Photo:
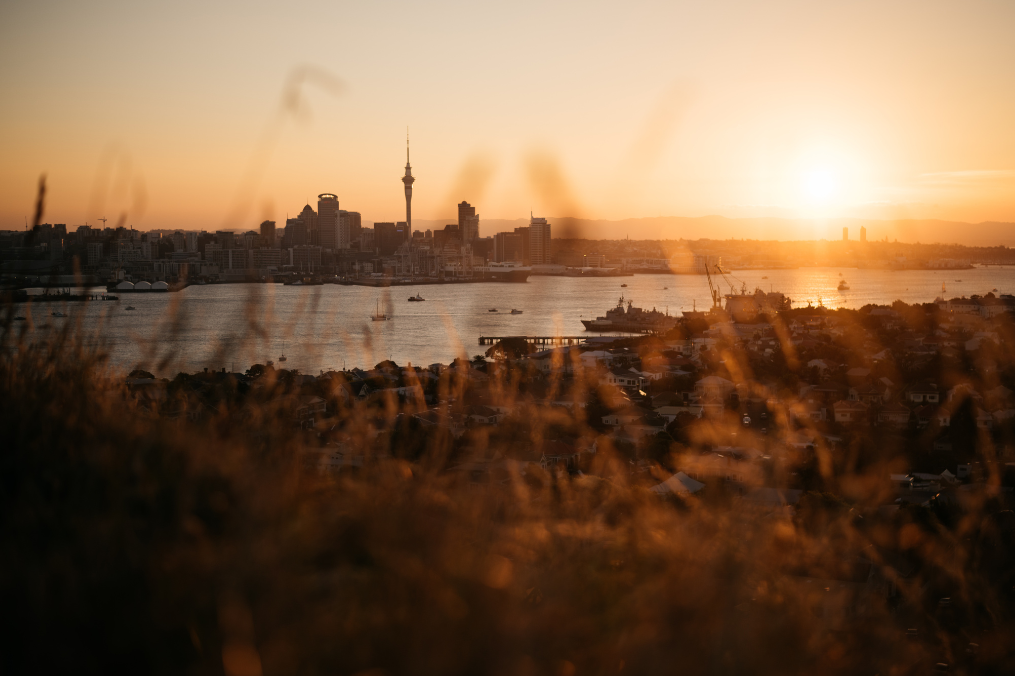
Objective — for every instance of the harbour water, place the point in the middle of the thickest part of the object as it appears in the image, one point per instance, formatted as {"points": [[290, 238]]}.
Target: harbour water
{"points": [[329, 327]]}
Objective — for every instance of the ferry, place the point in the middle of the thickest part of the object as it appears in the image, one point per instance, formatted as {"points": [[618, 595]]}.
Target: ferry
{"points": [[631, 319], [843, 286], [416, 299], [503, 272]]}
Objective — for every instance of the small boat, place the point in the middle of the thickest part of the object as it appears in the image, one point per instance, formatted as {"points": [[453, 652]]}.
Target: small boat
{"points": [[493, 309], [623, 286], [282, 356], [130, 307], [19, 319], [416, 299], [516, 312], [765, 277], [994, 290], [269, 363], [843, 286], [59, 314], [666, 288], [958, 280], [378, 317]]}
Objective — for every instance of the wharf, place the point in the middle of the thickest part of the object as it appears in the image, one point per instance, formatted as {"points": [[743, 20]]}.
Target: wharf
{"points": [[536, 340]]}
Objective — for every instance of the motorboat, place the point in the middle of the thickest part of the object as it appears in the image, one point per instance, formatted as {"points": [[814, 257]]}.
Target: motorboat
{"points": [[623, 286], [130, 307], [516, 312], [493, 309], [59, 314], [19, 319], [416, 299], [765, 277]]}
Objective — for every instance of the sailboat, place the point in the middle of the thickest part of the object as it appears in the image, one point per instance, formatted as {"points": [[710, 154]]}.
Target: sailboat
{"points": [[281, 357], [378, 317]]}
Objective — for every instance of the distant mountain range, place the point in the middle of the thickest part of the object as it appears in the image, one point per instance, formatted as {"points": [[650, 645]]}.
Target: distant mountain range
{"points": [[925, 231]]}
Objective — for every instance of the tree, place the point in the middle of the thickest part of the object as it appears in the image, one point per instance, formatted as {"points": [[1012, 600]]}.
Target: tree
{"points": [[514, 347], [138, 373]]}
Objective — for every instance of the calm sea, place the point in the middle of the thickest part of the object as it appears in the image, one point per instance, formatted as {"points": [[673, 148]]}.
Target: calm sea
{"points": [[330, 327]]}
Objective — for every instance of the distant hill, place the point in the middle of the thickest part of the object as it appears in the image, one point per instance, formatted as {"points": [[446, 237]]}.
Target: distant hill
{"points": [[785, 229]]}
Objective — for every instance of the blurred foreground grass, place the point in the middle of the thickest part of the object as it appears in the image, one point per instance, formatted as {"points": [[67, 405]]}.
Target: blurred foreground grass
{"points": [[136, 542]]}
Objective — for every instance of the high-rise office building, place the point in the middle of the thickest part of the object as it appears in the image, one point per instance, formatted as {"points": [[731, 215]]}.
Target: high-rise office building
{"points": [[385, 238], [355, 225], [225, 238], [539, 241], [863, 234], [507, 247], [268, 233], [468, 222], [327, 221], [524, 233], [408, 180], [309, 218]]}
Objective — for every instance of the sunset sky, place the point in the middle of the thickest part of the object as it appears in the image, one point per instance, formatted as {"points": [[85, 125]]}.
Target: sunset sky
{"points": [[174, 113]]}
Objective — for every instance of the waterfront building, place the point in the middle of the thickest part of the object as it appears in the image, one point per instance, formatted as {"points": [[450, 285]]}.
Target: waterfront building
{"points": [[306, 258], [539, 241], [265, 258], [508, 246]]}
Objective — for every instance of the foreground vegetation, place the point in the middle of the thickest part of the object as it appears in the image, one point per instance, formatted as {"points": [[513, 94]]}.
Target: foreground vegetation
{"points": [[153, 543]]}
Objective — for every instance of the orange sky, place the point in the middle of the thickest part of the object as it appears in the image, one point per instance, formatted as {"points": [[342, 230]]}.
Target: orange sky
{"points": [[173, 113]]}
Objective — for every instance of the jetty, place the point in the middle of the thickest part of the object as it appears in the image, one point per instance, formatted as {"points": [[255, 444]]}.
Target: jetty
{"points": [[536, 340]]}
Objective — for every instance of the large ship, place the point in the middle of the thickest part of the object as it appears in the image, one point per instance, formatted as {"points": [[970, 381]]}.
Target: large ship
{"points": [[502, 272], [631, 319]]}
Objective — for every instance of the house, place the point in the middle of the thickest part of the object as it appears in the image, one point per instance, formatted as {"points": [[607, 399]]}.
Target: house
{"points": [[850, 412], [714, 388], [623, 378], [678, 484], [923, 393], [894, 414], [627, 416]]}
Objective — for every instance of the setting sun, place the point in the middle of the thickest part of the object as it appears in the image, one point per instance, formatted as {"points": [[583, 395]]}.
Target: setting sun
{"points": [[820, 185]]}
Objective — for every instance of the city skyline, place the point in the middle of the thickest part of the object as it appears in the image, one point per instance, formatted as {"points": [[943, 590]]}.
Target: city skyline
{"points": [[779, 113]]}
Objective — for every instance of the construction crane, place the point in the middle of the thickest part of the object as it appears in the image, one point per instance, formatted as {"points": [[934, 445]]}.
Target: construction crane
{"points": [[103, 219], [713, 291]]}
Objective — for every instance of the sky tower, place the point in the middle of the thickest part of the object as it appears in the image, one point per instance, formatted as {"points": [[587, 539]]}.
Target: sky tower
{"points": [[408, 180]]}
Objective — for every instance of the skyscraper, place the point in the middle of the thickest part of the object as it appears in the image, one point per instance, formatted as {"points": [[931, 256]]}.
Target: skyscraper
{"points": [[309, 218], [539, 241], [268, 233], [408, 181], [327, 221], [468, 222], [863, 235]]}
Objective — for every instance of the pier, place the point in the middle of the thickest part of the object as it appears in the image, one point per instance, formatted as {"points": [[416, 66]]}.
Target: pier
{"points": [[536, 340]]}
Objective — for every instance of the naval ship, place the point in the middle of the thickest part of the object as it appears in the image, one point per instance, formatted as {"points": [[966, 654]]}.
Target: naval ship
{"points": [[631, 319]]}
